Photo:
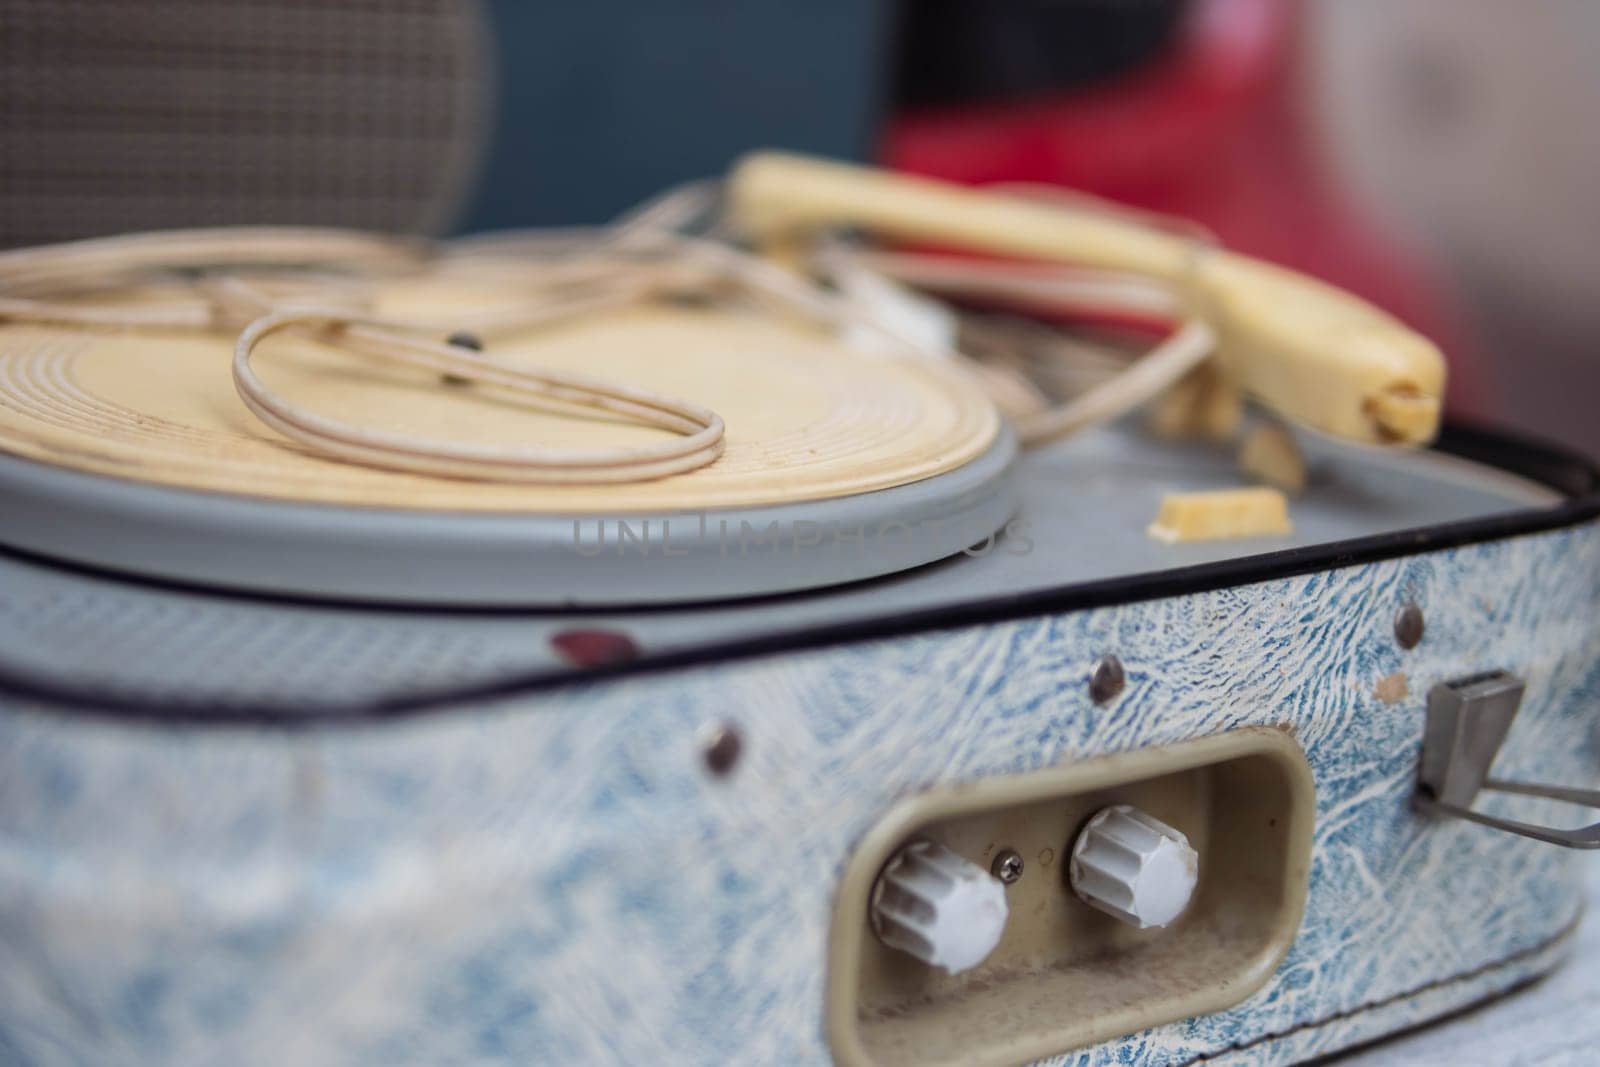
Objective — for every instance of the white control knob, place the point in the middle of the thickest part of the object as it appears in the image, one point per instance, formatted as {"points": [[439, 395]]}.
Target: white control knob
{"points": [[1133, 866], [936, 906]]}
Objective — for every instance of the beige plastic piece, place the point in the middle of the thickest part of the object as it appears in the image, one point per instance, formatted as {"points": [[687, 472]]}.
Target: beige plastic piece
{"points": [[808, 418], [1221, 514], [1312, 352], [1066, 975], [1204, 405], [1271, 454]]}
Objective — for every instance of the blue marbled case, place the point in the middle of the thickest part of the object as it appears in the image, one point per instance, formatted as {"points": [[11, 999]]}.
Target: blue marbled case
{"points": [[555, 877]]}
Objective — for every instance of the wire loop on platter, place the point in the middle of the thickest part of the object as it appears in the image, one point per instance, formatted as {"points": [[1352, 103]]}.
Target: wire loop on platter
{"points": [[701, 431]]}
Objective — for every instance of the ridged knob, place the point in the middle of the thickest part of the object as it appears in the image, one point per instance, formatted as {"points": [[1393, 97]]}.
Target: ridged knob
{"points": [[1134, 866], [937, 907]]}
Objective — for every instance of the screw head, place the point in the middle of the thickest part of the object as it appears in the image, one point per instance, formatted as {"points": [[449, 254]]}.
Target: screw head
{"points": [[1408, 626], [721, 748], [1106, 680], [1007, 866]]}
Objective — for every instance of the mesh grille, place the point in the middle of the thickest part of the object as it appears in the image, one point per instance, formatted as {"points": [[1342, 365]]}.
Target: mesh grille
{"points": [[120, 115], [119, 641]]}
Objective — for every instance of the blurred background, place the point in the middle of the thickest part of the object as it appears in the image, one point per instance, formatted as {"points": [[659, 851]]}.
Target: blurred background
{"points": [[1435, 156]]}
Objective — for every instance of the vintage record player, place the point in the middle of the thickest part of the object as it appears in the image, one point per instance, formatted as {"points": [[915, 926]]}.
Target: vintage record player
{"points": [[667, 645]]}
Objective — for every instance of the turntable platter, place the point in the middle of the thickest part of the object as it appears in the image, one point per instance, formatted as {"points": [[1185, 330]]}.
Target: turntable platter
{"points": [[132, 451]]}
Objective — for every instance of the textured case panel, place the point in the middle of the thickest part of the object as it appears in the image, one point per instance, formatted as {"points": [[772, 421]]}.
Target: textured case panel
{"points": [[130, 115], [556, 879]]}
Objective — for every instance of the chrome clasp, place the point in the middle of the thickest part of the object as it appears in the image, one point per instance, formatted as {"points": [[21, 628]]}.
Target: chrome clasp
{"points": [[1468, 720]]}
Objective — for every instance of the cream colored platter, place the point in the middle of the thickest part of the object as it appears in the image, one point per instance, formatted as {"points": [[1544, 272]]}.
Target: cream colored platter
{"points": [[131, 451]]}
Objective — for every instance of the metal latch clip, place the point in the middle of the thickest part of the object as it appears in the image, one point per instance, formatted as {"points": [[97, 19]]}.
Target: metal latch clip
{"points": [[1468, 720]]}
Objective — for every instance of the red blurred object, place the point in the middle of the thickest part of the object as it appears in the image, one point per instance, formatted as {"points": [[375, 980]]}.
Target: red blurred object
{"points": [[594, 648], [1210, 132]]}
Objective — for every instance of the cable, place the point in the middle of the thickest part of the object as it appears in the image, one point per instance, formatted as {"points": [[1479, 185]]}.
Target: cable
{"points": [[702, 430], [262, 281]]}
